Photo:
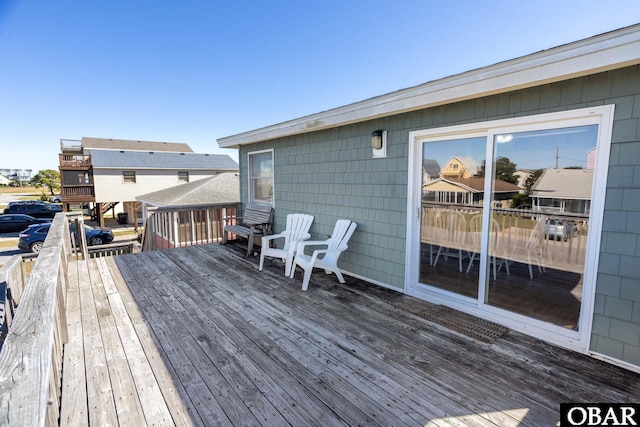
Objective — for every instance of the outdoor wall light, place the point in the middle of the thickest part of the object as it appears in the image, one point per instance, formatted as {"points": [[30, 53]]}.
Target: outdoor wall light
{"points": [[379, 143], [377, 139]]}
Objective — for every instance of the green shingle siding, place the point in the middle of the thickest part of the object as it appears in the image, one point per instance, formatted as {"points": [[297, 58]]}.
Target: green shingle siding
{"points": [[331, 174]]}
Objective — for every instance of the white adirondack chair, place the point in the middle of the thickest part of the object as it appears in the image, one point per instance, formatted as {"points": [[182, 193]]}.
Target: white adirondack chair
{"points": [[324, 258], [297, 229]]}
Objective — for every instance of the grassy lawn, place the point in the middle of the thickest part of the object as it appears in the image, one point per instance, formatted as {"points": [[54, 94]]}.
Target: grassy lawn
{"points": [[9, 243], [32, 193], [26, 190]]}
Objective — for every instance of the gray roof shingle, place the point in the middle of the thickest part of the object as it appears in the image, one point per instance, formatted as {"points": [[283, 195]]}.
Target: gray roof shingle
{"points": [[574, 184], [122, 159], [223, 188]]}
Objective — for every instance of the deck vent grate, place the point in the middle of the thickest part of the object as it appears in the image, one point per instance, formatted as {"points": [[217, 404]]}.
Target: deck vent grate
{"points": [[463, 323]]}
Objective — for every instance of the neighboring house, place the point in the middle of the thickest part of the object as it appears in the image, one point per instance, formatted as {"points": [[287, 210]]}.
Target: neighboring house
{"points": [[4, 180], [563, 190], [197, 209], [459, 167], [467, 191], [23, 176], [104, 173], [430, 170], [586, 92]]}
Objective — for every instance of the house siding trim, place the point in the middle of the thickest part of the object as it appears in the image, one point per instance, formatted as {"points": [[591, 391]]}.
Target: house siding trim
{"points": [[597, 54]]}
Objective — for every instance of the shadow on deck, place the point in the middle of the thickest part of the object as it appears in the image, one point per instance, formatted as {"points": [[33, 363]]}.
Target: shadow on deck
{"points": [[198, 336]]}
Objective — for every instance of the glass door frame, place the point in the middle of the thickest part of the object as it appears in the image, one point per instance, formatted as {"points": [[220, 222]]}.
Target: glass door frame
{"points": [[576, 340]]}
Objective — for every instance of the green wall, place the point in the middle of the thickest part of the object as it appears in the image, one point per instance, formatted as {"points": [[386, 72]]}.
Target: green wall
{"points": [[331, 174]]}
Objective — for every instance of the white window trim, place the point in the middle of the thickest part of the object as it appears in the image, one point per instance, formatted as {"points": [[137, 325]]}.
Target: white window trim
{"points": [[250, 191], [575, 340]]}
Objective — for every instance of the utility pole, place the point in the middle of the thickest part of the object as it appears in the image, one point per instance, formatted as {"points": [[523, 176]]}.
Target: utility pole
{"points": [[556, 156]]}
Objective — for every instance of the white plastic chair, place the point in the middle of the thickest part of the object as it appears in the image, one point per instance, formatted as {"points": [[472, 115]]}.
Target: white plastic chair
{"points": [[324, 258], [297, 229]]}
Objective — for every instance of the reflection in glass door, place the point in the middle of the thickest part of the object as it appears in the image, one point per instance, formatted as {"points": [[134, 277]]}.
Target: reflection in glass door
{"points": [[538, 237], [451, 213]]}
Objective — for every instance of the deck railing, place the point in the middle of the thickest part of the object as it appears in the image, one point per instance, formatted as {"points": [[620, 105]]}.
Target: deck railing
{"points": [[75, 160], [35, 323], [77, 191], [177, 226], [31, 357]]}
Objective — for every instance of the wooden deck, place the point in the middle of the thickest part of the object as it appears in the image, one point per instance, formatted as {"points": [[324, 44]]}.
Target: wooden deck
{"points": [[198, 336]]}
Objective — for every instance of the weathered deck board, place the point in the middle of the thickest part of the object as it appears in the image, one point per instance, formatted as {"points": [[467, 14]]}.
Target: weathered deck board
{"points": [[125, 394], [107, 379], [210, 340], [362, 339], [74, 411], [156, 412], [160, 377], [101, 404]]}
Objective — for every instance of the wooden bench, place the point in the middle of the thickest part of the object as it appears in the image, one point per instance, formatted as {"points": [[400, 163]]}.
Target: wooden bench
{"points": [[257, 220]]}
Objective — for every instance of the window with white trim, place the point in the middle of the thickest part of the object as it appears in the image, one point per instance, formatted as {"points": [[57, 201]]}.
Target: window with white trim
{"points": [[261, 177], [183, 176]]}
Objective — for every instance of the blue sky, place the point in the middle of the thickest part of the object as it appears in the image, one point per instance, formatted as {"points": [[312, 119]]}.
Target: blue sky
{"points": [[194, 71], [539, 149]]}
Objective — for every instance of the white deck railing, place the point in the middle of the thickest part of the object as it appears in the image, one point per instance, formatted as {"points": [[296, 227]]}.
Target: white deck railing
{"points": [[177, 226]]}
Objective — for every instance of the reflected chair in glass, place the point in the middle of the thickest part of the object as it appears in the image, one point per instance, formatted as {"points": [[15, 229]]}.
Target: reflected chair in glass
{"points": [[452, 236], [495, 244]]}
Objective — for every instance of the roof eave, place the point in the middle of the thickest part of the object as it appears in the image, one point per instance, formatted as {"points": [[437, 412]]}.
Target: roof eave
{"points": [[171, 168], [600, 53]]}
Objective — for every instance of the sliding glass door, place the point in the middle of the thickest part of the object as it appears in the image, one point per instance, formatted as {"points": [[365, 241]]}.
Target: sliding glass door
{"points": [[449, 231], [538, 236], [505, 218]]}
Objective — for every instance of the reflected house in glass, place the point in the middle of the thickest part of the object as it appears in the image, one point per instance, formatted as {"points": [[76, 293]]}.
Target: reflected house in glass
{"points": [[563, 190], [430, 170], [466, 191], [460, 167]]}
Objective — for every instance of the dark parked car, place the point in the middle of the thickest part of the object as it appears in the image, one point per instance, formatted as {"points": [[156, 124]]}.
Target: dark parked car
{"points": [[32, 239], [18, 222], [34, 208]]}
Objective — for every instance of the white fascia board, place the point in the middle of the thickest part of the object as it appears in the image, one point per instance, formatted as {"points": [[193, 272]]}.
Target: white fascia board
{"points": [[608, 51], [168, 169]]}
